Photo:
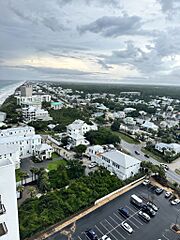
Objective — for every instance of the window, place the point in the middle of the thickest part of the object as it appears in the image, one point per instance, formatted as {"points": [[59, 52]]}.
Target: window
{"points": [[3, 229]]}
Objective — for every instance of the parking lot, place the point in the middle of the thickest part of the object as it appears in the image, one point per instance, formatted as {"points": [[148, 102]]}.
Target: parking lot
{"points": [[107, 221]]}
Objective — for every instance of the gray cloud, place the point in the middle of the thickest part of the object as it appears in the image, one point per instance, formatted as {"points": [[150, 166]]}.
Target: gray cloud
{"points": [[113, 3], [110, 26]]}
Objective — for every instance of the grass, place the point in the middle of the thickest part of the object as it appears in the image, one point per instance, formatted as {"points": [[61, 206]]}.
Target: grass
{"points": [[54, 165], [126, 138], [18, 174], [55, 155], [156, 157], [177, 171]]}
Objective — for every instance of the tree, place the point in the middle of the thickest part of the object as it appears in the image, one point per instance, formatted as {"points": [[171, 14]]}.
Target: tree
{"points": [[80, 149], [115, 126], [20, 189], [32, 191], [43, 181]]}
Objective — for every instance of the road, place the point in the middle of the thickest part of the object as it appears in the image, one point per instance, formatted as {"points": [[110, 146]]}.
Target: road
{"points": [[131, 148]]}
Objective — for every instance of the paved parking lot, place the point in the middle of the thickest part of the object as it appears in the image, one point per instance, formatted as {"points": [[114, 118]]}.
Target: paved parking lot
{"points": [[106, 220]]}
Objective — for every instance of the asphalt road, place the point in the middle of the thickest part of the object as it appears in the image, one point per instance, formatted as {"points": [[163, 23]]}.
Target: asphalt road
{"points": [[106, 220], [131, 148]]}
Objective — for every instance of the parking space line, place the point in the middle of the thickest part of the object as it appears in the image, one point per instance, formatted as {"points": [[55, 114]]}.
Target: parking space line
{"points": [[109, 231], [79, 238], [118, 217], [114, 228], [131, 209], [134, 217], [118, 224], [165, 237], [99, 230]]}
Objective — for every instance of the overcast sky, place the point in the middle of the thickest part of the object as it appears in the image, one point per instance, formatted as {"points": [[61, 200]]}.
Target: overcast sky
{"points": [[129, 41]]}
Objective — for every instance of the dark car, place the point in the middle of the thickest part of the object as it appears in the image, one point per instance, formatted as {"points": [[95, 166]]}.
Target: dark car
{"points": [[124, 212], [147, 156], [148, 210], [158, 191], [136, 152], [91, 234]]}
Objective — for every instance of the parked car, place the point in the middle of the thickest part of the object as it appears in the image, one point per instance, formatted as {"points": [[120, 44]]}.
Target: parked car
{"points": [[153, 206], [146, 182], [167, 194], [144, 216], [175, 201], [146, 155], [105, 237], [127, 227], [145, 208], [158, 191], [136, 152], [124, 212], [91, 234], [92, 165]]}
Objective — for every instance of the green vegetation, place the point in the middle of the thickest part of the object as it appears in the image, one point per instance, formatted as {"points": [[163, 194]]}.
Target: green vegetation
{"points": [[73, 192], [102, 136], [20, 175], [55, 164], [80, 149], [177, 171], [151, 154], [66, 116], [55, 155], [128, 138], [9, 107]]}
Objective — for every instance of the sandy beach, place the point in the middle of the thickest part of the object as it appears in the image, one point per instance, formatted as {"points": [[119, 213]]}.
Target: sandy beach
{"points": [[8, 90]]}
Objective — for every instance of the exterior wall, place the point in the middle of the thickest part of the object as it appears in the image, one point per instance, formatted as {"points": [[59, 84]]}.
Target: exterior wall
{"points": [[34, 98], [8, 197], [19, 131], [14, 157], [26, 91], [2, 116], [121, 172]]}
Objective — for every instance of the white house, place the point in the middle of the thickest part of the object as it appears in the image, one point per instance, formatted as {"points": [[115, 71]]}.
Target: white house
{"points": [[93, 150], [9, 226], [76, 132], [24, 138], [121, 164], [161, 147], [129, 121], [34, 99], [44, 151], [150, 125], [32, 114], [11, 153]]}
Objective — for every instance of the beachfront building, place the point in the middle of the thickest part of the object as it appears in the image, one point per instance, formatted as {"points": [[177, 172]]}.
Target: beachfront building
{"points": [[57, 105], [32, 114], [121, 164], [168, 147], [9, 226], [2, 116], [26, 90], [76, 132], [33, 100], [26, 141]]}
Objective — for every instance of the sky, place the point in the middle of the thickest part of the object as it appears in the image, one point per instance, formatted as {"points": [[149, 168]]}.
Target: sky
{"points": [[106, 41]]}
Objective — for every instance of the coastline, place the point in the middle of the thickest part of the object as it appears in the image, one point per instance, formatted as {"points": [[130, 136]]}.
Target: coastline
{"points": [[6, 91]]}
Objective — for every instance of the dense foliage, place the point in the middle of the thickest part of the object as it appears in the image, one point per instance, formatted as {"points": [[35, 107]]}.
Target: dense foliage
{"points": [[102, 136], [37, 214], [9, 107]]}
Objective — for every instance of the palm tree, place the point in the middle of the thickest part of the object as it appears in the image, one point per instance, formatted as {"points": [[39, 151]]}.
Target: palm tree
{"points": [[34, 172], [20, 189], [32, 191]]}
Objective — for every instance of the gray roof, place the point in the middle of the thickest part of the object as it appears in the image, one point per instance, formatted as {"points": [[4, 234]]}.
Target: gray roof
{"points": [[120, 158]]}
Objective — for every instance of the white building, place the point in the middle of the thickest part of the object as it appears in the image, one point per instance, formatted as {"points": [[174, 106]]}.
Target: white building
{"points": [[9, 226], [2, 116], [150, 125], [32, 114], [161, 147], [129, 121], [76, 132], [26, 90], [11, 153], [121, 164], [33, 100], [93, 150], [24, 138]]}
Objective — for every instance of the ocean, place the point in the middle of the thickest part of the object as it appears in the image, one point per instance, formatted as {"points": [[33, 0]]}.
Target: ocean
{"points": [[7, 88]]}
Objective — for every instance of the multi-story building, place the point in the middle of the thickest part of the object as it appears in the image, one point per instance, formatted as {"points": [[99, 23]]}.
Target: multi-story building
{"points": [[11, 153], [32, 114], [26, 141], [76, 132], [32, 100], [121, 164], [2, 116], [26, 90], [9, 226]]}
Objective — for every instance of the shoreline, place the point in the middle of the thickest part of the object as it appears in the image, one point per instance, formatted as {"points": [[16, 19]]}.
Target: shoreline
{"points": [[6, 91]]}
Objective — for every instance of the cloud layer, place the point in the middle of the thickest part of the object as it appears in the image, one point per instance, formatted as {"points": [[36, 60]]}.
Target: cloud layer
{"points": [[91, 40]]}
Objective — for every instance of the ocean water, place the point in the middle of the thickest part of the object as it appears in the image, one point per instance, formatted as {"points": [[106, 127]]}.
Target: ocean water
{"points": [[7, 88]]}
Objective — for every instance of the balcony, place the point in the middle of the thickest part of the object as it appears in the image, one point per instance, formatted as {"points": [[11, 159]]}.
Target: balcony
{"points": [[2, 209], [3, 229]]}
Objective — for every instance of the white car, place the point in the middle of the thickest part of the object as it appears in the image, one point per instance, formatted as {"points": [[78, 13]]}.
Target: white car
{"points": [[146, 182], [168, 194], [105, 237], [92, 165], [175, 201], [127, 227]]}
